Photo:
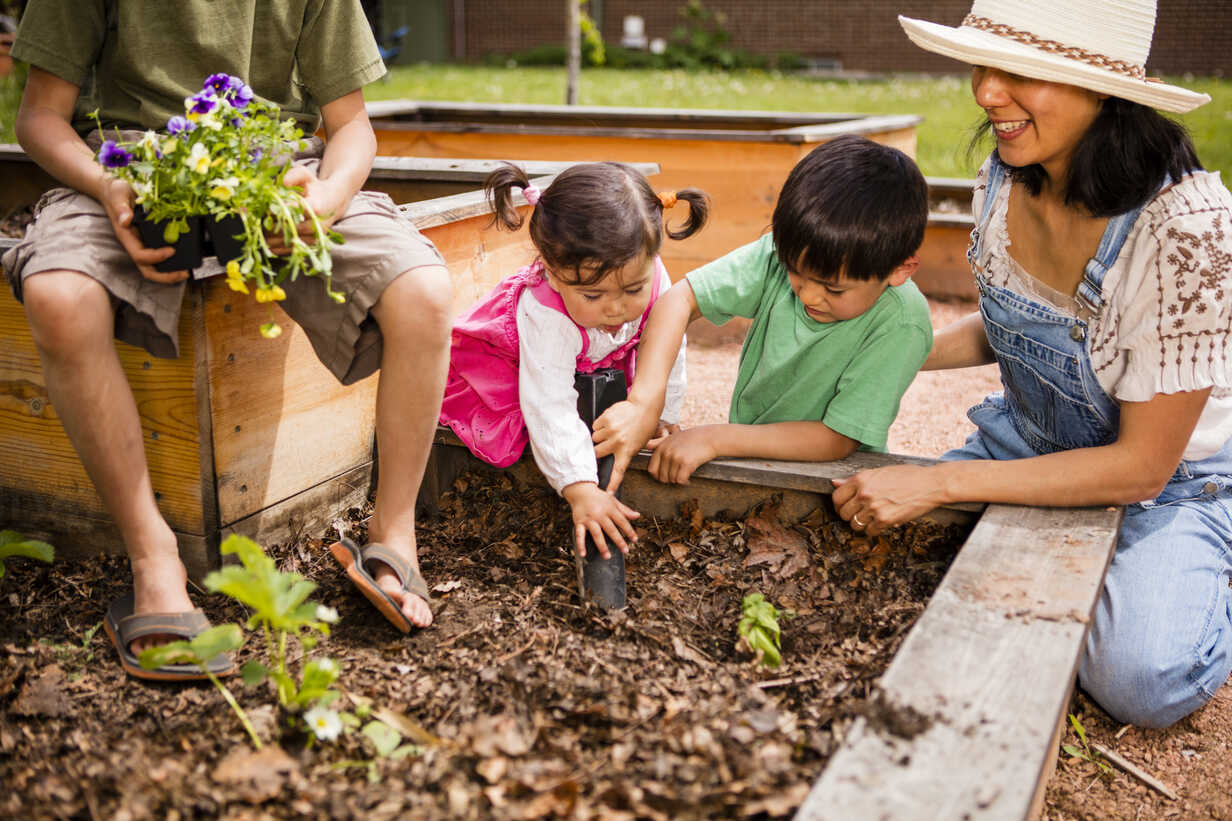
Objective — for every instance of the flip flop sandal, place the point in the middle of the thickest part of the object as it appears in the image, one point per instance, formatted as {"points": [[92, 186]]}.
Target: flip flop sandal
{"points": [[124, 628], [356, 560]]}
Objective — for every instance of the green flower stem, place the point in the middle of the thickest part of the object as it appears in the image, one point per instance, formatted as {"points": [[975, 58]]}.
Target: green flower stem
{"points": [[235, 705]]}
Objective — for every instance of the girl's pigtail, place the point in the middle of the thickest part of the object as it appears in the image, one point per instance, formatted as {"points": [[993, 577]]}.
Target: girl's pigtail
{"points": [[498, 188], [699, 209]]}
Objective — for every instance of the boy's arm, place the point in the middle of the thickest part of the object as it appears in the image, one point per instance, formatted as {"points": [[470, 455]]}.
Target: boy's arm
{"points": [[44, 129], [350, 147], [625, 427], [677, 456]]}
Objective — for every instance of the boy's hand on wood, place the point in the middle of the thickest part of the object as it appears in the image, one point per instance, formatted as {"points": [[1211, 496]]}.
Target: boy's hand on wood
{"points": [[603, 516], [117, 200], [676, 456], [622, 431]]}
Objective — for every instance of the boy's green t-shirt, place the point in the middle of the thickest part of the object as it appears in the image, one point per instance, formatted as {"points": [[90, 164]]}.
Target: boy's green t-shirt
{"points": [[136, 60], [849, 374]]}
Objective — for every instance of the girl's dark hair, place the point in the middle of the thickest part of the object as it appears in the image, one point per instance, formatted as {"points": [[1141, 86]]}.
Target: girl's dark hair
{"points": [[593, 219], [851, 207], [1122, 160]]}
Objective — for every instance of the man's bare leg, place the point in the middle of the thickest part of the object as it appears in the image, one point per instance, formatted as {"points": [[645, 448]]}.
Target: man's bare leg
{"points": [[415, 318], [72, 322]]}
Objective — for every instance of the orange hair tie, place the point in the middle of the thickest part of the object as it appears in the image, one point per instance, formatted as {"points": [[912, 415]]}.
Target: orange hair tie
{"points": [[667, 198]]}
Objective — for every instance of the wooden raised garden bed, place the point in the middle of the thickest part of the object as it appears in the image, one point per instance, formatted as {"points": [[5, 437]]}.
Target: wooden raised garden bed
{"points": [[740, 158], [243, 433]]}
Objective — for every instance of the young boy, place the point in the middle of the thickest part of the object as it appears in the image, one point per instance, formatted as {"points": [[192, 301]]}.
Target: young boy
{"points": [[83, 275], [838, 332]]}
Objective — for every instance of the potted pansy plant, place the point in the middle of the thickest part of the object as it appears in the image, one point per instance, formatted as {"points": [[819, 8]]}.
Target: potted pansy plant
{"points": [[217, 172]]}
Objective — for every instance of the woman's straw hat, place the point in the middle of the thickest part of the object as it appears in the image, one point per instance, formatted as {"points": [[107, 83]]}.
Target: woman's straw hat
{"points": [[1099, 45]]}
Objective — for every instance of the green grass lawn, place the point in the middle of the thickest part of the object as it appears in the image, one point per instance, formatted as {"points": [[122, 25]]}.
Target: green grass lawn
{"points": [[945, 102]]}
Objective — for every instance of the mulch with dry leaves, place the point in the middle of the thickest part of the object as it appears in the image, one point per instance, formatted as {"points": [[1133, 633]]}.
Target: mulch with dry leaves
{"points": [[526, 703]]}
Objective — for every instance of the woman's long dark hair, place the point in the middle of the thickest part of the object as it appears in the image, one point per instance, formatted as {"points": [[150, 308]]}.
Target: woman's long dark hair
{"points": [[1122, 160], [594, 218]]}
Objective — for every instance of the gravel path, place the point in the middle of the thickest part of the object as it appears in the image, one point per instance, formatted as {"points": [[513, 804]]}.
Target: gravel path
{"points": [[931, 420]]}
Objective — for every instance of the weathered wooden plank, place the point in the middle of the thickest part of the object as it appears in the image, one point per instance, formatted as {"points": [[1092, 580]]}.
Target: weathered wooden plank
{"points": [[38, 456], [77, 533], [606, 121], [308, 512], [736, 485], [989, 664], [281, 421]]}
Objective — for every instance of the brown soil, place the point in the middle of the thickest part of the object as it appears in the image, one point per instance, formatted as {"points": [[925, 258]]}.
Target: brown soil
{"points": [[527, 704], [1192, 758]]}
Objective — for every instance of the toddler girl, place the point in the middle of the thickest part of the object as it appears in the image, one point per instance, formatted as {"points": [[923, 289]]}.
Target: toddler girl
{"points": [[579, 306]]}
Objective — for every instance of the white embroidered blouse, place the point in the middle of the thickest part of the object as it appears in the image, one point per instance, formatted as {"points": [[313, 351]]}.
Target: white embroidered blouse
{"points": [[1166, 325], [549, 348]]}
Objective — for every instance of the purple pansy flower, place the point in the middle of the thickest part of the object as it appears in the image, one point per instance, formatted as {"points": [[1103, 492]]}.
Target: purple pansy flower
{"points": [[112, 156], [218, 83], [177, 124], [241, 93], [202, 103]]}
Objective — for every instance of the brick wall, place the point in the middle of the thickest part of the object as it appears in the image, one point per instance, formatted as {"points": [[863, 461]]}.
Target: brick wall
{"points": [[863, 35]]}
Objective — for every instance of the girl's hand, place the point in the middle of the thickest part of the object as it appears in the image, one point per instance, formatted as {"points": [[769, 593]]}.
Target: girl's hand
{"points": [[622, 431], [321, 196], [875, 500], [600, 514], [117, 199], [663, 430], [676, 456]]}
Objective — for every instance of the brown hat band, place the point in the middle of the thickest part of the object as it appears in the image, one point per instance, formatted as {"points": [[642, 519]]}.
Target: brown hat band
{"points": [[1053, 47]]}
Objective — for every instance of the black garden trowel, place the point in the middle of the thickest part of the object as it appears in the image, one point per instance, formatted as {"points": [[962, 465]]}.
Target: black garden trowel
{"points": [[601, 579]]}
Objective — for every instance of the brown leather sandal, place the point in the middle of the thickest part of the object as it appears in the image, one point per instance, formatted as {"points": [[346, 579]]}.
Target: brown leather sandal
{"points": [[356, 560], [124, 628]]}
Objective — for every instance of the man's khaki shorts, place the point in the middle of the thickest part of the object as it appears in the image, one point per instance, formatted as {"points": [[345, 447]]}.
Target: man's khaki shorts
{"points": [[71, 232]]}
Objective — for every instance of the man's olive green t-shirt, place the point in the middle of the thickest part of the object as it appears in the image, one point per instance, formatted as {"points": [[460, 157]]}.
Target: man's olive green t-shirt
{"points": [[136, 60], [849, 375]]}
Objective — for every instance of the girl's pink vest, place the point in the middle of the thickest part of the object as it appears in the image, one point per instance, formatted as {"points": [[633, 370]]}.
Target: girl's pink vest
{"points": [[481, 402]]}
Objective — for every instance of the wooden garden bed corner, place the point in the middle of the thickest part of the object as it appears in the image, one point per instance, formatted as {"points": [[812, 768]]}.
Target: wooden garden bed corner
{"points": [[990, 667]]}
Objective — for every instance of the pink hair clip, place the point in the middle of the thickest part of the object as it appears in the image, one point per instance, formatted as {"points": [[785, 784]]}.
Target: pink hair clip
{"points": [[532, 195]]}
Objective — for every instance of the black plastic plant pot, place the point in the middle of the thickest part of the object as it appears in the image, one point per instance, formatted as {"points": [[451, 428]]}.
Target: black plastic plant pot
{"points": [[226, 236], [187, 246], [602, 579]]}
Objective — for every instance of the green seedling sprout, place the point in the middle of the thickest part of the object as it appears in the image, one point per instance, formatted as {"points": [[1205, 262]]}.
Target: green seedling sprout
{"points": [[759, 628], [280, 610], [225, 638], [13, 544], [1085, 752]]}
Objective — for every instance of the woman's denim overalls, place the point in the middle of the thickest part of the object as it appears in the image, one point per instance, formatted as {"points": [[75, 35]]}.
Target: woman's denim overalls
{"points": [[1160, 643]]}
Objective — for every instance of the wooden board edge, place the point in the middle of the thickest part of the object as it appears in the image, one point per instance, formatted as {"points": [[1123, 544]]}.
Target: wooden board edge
{"points": [[308, 512], [990, 664]]}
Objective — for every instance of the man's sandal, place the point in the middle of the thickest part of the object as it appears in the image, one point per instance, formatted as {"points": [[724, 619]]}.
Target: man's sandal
{"points": [[357, 563], [124, 628]]}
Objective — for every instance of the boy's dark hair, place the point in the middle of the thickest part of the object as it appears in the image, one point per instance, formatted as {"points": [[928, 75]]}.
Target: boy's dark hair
{"points": [[1122, 160], [851, 207], [594, 218]]}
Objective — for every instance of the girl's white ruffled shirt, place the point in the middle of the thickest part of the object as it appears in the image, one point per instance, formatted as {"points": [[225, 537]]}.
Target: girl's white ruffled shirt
{"points": [[548, 349], [1166, 326]]}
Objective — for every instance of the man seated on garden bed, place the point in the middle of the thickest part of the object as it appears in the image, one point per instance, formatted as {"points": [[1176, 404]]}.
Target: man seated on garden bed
{"points": [[84, 276]]}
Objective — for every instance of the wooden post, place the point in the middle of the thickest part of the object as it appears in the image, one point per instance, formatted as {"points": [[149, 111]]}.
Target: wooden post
{"points": [[573, 41]]}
